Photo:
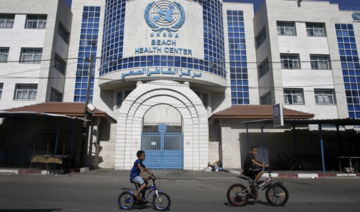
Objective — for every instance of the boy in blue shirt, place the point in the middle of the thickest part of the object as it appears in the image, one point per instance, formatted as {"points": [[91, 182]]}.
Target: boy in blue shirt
{"points": [[135, 172]]}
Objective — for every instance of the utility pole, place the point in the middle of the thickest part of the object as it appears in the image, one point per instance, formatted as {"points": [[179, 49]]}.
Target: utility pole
{"points": [[91, 61]]}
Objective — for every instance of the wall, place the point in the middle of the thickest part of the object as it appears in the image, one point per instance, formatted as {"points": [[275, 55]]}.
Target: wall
{"points": [[163, 114]]}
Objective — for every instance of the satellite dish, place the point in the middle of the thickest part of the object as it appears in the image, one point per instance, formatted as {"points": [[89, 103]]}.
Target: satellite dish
{"points": [[91, 107]]}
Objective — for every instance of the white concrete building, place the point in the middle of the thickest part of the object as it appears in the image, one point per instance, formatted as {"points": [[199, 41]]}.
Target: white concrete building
{"points": [[168, 71], [34, 49]]}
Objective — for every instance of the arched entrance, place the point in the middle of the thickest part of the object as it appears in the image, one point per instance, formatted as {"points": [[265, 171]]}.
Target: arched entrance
{"points": [[162, 92]]}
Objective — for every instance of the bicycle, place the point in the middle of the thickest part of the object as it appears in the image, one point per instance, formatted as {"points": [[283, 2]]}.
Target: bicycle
{"points": [[276, 194], [161, 200]]}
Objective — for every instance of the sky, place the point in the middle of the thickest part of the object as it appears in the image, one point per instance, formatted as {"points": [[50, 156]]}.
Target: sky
{"points": [[257, 3]]}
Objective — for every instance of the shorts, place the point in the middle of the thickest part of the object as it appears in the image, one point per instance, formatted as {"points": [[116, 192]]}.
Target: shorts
{"points": [[252, 173], [138, 180]]}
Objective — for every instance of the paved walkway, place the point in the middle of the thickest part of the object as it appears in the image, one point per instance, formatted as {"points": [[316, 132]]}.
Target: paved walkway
{"points": [[171, 173]]}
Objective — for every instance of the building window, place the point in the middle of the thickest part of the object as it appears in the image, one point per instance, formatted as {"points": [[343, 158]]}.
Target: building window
{"points": [[350, 64], [7, 21], [119, 99], [204, 98], [55, 96], [36, 22], [238, 58], [31, 55], [121, 96], [286, 28], [294, 96], [60, 64], [320, 62], [4, 53], [325, 97], [64, 33], [89, 33], [263, 68], [1, 89], [315, 30], [25, 92], [266, 99], [260, 38], [290, 61]]}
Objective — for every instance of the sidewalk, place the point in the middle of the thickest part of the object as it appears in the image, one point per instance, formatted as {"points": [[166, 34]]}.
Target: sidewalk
{"points": [[302, 174], [36, 171], [174, 174]]}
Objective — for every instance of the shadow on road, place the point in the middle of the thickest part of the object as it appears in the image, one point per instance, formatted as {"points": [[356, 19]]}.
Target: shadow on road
{"points": [[250, 202], [30, 210]]}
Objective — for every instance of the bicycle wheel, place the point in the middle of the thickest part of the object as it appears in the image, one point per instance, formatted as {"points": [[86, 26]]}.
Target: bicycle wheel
{"points": [[277, 195], [162, 202], [126, 200], [233, 197]]}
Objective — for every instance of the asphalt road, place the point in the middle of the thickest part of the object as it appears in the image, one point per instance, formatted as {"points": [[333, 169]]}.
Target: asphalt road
{"points": [[86, 192]]}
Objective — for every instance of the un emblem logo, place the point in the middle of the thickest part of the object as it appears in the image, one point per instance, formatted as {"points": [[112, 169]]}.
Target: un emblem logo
{"points": [[356, 16], [165, 15]]}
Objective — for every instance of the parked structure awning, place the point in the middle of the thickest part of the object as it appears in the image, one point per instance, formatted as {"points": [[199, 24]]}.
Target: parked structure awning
{"points": [[28, 114], [296, 122], [72, 109], [257, 112]]}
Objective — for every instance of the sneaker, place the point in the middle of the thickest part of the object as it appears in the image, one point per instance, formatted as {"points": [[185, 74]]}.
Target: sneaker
{"points": [[254, 183]]}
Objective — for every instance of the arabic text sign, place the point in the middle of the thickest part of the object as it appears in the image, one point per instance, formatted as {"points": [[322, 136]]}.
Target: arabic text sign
{"points": [[169, 71]]}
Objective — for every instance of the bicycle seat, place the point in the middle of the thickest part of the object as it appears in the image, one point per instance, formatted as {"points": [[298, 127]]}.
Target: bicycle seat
{"points": [[132, 182]]}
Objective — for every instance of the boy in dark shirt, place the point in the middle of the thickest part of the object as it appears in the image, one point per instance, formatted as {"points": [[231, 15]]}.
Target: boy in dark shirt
{"points": [[250, 164], [135, 172]]}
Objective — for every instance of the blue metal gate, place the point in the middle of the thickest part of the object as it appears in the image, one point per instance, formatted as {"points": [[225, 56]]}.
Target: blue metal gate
{"points": [[164, 147]]}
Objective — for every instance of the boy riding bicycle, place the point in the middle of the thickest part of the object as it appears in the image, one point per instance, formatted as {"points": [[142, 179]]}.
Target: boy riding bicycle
{"points": [[252, 166], [135, 172]]}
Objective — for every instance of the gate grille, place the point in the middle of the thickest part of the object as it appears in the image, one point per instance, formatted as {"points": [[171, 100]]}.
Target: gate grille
{"points": [[164, 147]]}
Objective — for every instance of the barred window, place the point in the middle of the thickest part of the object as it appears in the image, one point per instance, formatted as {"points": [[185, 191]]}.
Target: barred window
{"points": [[25, 92], [290, 61], [325, 97], [7, 21], [4, 54], [60, 64], [64, 33], [1, 89], [260, 38], [315, 30], [263, 68], [266, 99], [31, 55], [36, 22], [286, 28], [294, 96], [320, 62], [55, 96]]}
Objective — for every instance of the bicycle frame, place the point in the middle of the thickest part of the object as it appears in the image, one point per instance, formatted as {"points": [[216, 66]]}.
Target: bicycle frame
{"points": [[150, 189], [262, 184]]}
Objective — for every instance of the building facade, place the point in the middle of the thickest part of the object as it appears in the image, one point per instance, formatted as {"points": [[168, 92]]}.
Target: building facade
{"points": [[34, 50], [162, 68]]}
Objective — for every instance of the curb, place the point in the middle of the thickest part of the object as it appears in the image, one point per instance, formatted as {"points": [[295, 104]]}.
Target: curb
{"points": [[45, 172], [298, 175]]}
